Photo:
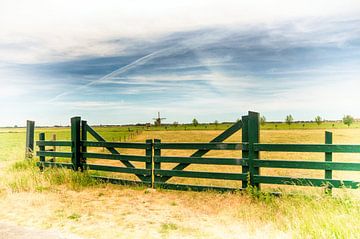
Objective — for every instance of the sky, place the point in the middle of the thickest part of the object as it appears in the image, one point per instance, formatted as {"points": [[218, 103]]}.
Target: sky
{"points": [[120, 62]]}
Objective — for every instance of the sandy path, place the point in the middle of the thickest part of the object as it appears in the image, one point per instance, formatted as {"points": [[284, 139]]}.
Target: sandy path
{"points": [[11, 231]]}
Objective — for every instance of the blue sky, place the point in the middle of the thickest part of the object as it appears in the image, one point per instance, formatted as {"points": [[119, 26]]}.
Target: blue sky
{"points": [[121, 62]]}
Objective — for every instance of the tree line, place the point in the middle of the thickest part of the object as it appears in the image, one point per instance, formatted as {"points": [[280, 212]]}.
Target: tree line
{"points": [[289, 119]]}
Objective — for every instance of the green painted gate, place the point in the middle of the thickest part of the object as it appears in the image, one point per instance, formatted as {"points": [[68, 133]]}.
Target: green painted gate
{"points": [[147, 168]]}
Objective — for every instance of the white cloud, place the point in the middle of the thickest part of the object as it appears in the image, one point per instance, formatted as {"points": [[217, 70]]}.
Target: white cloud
{"points": [[54, 30], [43, 31]]}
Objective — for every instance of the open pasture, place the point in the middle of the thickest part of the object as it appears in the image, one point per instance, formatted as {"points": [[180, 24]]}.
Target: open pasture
{"points": [[267, 136], [72, 202]]}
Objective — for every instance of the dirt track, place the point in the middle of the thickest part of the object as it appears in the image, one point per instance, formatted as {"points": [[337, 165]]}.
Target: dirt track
{"points": [[10, 231]]}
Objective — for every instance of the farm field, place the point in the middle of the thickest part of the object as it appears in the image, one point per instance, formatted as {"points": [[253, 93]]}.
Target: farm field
{"points": [[73, 202]]}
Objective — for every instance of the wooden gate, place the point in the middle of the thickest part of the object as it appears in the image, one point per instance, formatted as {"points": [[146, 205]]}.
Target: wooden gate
{"points": [[82, 150], [148, 168]]}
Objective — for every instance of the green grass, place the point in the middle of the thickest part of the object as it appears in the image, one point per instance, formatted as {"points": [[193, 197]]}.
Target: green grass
{"points": [[11, 145], [308, 216], [167, 227], [25, 176]]}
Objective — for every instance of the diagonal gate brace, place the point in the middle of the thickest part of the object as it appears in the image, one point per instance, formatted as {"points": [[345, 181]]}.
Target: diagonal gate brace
{"points": [[112, 150], [201, 152]]}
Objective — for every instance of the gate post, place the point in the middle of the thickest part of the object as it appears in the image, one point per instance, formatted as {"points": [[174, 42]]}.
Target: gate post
{"points": [[328, 158], [149, 162], [83, 147], [254, 136], [29, 147], [157, 165], [245, 152], [75, 141], [42, 148]]}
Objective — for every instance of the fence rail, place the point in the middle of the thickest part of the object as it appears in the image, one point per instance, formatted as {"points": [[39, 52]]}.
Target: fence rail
{"points": [[199, 146], [54, 143], [199, 160], [310, 148], [115, 145], [117, 157], [249, 164], [306, 165]]}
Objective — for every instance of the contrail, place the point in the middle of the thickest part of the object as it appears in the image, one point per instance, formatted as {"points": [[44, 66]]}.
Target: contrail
{"points": [[121, 70]]}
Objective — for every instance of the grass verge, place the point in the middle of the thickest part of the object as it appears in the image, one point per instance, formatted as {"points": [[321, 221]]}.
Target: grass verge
{"points": [[174, 214], [25, 176]]}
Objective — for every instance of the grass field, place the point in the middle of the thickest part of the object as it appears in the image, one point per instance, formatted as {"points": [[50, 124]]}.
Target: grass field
{"points": [[76, 203]]}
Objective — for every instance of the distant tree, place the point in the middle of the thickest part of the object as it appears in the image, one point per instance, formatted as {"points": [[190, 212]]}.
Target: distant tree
{"points": [[289, 119], [195, 122], [176, 124], [216, 123], [318, 120], [262, 120], [348, 120]]}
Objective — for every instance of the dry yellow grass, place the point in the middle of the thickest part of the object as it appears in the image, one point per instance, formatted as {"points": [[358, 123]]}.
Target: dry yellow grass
{"points": [[120, 212], [110, 211], [340, 136]]}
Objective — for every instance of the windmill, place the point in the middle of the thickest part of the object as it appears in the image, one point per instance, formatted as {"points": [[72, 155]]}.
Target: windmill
{"points": [[158, 120]]}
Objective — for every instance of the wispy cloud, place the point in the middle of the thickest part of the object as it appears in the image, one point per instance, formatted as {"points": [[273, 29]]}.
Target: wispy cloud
{"points": [[303, 64]]}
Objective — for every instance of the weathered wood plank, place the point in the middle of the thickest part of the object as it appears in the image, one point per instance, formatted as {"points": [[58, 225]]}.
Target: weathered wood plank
{"points": [[54, 154], [196, 174], [54, 143], [321, 148], [197, 188], [307, 165], [200, 146], [118, 157], [114, 144], [140, 171], [200, 160]]}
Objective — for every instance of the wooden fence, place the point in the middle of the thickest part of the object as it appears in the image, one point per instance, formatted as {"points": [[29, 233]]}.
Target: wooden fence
{"points": [[153, 175]]}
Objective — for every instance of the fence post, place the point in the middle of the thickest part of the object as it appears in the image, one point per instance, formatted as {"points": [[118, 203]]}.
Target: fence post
{"points": [[148, 164], [83, 147], [75, 139], [53, 159], [157, 165], [42, 148], [328, 158], [29, 147], [245, 153], [254, 135]]}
